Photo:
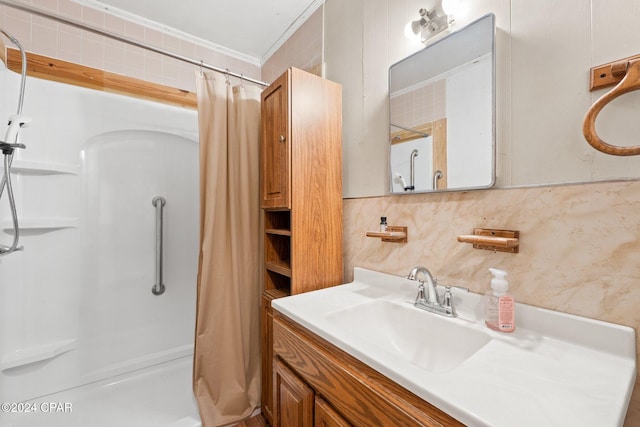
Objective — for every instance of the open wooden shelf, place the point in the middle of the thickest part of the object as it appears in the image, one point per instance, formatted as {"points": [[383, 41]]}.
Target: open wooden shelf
{"points": [[278, 232], [276, 293], [278, 267]]}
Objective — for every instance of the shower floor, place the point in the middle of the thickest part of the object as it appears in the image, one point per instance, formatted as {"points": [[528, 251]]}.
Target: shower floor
{"points": [[158, 396]]}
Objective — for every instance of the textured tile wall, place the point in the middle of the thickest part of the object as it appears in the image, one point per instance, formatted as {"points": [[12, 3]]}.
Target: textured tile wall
{"points": [[422, 105], [50, 38]]}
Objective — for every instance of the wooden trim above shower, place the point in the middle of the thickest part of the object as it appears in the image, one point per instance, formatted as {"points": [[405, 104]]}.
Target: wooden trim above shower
{"points": [[406, 135], [57, 70]]}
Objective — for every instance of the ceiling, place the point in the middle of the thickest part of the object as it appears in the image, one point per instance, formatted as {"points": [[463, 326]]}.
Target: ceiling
{"points": [[252, 28]]}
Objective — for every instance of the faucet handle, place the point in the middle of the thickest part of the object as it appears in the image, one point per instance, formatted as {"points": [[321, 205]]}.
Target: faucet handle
{"points": [[447, 299], [447, 302], [420, 297]]}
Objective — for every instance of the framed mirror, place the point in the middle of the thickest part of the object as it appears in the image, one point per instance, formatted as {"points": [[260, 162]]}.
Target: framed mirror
{"points": [[442, 113]]}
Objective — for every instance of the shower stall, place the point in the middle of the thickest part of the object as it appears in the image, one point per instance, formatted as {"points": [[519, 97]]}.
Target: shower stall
{"points": [[80, 325]]}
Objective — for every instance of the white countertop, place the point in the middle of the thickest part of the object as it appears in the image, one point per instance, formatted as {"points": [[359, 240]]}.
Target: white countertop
{"points": [[554, 370]]}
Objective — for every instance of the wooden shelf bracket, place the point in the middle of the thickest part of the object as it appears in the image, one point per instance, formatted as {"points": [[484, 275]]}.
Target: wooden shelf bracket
{"points": [[394, 233]]}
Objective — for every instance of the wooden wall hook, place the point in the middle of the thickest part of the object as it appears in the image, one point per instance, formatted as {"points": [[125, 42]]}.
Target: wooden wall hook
{"points": [[629, 83]]}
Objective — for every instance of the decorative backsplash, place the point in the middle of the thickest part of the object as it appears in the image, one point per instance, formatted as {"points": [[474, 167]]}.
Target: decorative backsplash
{"points": [[421, 105]]}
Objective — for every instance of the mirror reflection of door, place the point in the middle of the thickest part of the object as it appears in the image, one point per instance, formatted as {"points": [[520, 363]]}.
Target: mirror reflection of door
{"points": [[442, 103]]}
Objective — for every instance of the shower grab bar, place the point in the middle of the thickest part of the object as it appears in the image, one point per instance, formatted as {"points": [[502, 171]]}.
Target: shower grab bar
{"points": [[437, 175], [412, 171], [158, 287]]}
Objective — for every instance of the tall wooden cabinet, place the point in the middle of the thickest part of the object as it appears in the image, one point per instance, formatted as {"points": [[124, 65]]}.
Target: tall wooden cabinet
{"points": [[301, 195]]}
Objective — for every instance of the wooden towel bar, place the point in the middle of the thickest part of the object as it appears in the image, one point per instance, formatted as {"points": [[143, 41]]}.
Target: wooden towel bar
{"points": [[630, 82]]}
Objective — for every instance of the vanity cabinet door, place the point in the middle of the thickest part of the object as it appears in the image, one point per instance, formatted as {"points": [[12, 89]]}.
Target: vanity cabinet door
{"points": [[293, 398], [326, 416], [267, 357]]}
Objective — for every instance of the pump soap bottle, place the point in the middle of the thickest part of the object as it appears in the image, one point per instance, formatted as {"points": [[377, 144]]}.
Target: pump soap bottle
{"points": [[499, 304]]}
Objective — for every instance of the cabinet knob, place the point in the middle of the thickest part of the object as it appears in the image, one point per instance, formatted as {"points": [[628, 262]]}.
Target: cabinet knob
{"points": [[282, 138]]}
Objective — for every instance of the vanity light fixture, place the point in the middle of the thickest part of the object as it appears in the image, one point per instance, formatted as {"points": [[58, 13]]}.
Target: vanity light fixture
{"points": [[432, 21], [452, 8]]}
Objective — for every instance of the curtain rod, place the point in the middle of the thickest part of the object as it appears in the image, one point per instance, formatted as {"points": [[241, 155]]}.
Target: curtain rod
{"points": [[96, 30]]}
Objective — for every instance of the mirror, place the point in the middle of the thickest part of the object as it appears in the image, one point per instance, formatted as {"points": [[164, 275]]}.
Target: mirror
{"points": [[442, 113]]}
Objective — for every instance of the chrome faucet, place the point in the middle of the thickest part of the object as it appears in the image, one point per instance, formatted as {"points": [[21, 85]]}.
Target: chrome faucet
{"points": [[432, 294], [431, 301]]}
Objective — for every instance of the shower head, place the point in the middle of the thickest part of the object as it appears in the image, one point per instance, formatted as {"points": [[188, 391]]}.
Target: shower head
{"points": [[402, 180], [23, 73]]}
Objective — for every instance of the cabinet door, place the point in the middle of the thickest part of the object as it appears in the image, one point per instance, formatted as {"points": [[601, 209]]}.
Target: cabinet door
{"points": [[326, 416], [275, 147], [267, 359], [293, 399]]}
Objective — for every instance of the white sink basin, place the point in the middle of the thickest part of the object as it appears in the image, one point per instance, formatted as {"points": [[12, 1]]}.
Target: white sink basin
{"points": [[431, 342], [556, 369]]}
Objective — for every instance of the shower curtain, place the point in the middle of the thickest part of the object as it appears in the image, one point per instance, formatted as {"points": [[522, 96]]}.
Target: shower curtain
{"points": [[226, 372]]}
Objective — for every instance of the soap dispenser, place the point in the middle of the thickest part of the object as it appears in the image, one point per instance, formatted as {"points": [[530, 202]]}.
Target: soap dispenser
{"points": [[499, 304]]}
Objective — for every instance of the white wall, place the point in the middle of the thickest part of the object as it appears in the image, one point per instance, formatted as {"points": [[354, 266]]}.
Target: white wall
{"points": [[545, 50]]}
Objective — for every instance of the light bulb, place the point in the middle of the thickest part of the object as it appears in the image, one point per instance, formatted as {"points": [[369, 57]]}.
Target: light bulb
{"points": [[409, 31], [451, 7]]}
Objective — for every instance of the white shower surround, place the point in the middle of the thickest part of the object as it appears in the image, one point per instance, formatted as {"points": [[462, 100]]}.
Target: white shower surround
{"points": [[79, 296]]}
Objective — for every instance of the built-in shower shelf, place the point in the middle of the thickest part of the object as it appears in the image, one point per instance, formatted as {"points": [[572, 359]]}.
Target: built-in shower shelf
{"points": [[41, 224], [43, 168], [35, 354]]}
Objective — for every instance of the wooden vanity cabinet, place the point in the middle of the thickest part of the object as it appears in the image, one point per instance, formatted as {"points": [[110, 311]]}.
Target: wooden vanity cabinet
{"points": [[293, 397], [325, 416], [301, 195], [297, 403], [347, 391], [267, 351]]}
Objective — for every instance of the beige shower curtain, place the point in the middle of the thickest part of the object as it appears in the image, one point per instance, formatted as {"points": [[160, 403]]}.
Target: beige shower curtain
{"points": [[226, 371]]}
